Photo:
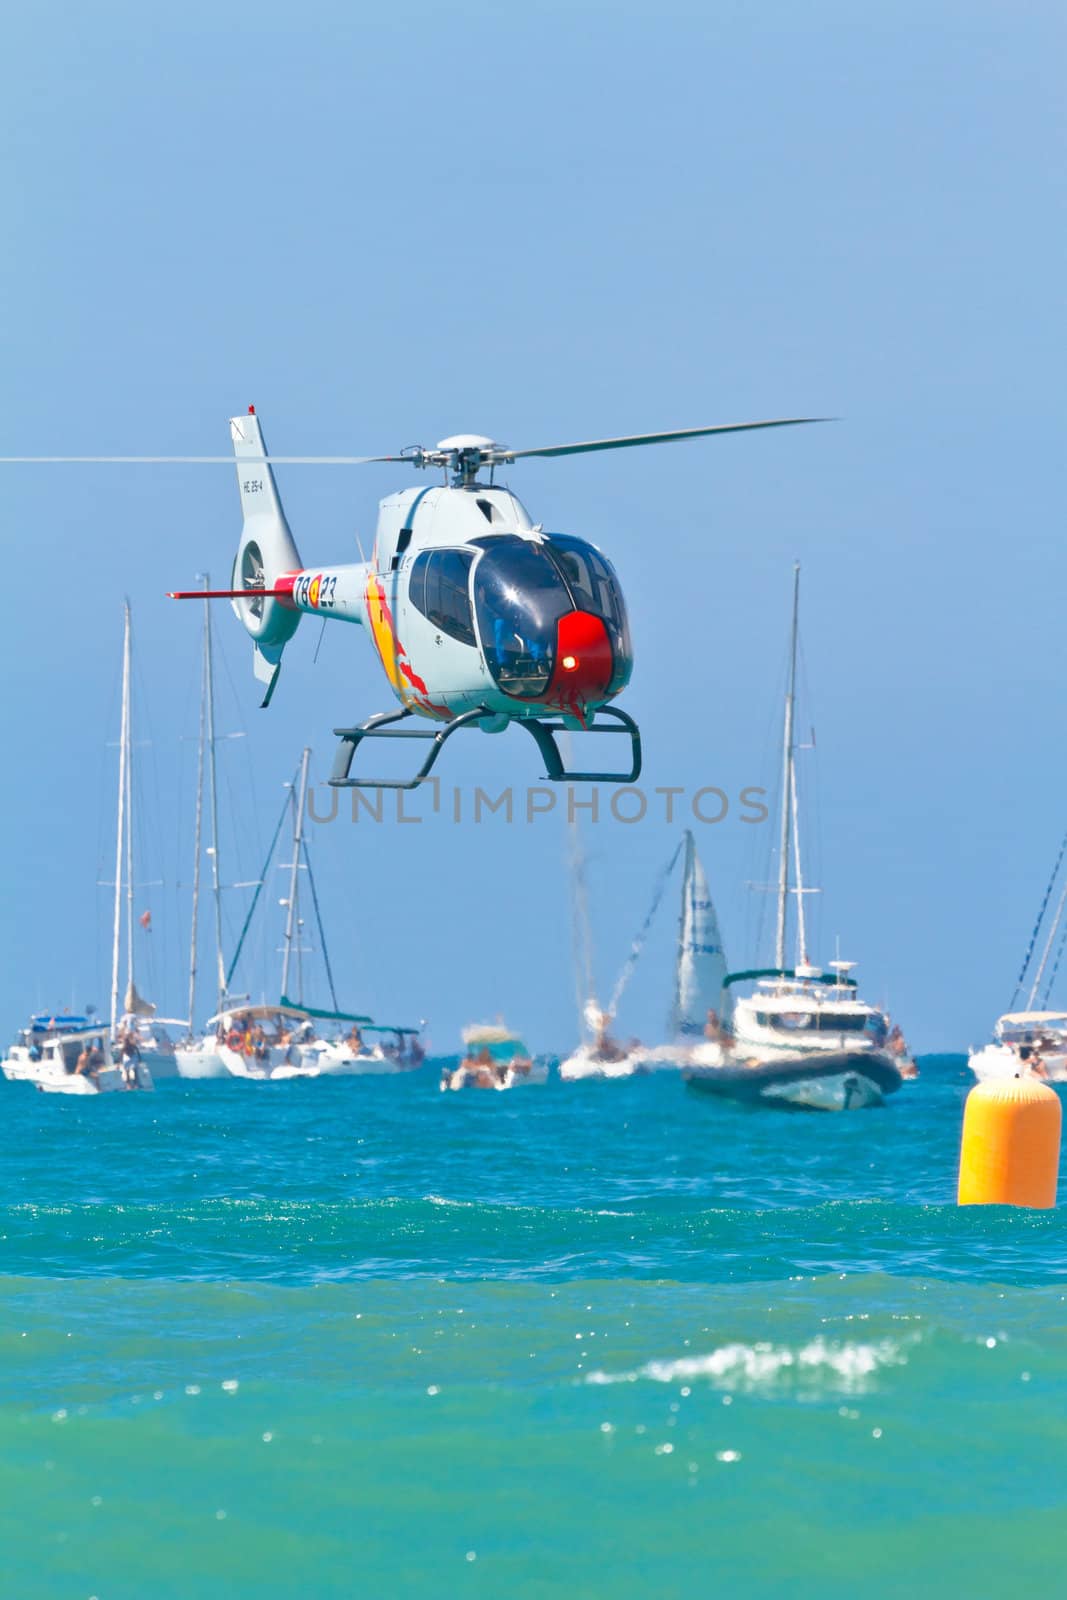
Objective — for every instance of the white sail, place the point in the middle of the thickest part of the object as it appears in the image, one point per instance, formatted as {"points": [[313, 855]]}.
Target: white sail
{"points": [[700, 973]]}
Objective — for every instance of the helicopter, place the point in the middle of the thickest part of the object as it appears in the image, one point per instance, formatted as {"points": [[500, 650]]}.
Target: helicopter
{"points": [[480, 618]]}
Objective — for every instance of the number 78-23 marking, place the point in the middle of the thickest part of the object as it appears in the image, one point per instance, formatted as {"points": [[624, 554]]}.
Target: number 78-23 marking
{"points": [[317, 592]]}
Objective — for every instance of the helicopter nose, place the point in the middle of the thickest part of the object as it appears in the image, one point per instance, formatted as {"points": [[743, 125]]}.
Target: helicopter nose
{"points": [[584, 662]]}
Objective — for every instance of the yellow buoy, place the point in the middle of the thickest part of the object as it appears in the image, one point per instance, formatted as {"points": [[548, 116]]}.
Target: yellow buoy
{"points": [[1010, 1152]]}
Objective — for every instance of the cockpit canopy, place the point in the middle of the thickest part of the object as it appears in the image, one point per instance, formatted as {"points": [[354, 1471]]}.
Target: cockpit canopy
{"points": [[521, 588]]}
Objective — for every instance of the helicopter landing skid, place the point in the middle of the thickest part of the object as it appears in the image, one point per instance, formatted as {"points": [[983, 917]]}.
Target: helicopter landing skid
{"points": [[544, 735], [380, 727]]}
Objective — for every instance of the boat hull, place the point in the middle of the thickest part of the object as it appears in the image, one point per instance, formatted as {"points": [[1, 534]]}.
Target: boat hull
{"points": [[840, 1080], [585, 1063], [463, 1079], [200, 1062], [52, 1078], [999, 1061]]}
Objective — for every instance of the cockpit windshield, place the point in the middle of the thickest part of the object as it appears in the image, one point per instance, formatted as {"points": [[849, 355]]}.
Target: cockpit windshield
{"points": [[519, 597], [521, 589]]}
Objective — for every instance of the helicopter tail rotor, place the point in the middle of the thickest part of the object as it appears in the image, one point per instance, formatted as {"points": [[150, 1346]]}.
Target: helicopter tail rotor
{"points": [[265, 553]]}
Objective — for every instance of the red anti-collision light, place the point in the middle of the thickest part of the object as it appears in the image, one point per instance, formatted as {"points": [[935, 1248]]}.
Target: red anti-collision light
{"points": [[584, 664]]}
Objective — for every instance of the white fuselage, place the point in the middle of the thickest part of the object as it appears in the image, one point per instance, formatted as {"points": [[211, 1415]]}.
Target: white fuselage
{"points": [[434, 658]]}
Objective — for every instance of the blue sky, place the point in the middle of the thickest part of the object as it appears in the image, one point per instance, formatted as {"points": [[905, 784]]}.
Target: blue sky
{"points": [[551, 222]]}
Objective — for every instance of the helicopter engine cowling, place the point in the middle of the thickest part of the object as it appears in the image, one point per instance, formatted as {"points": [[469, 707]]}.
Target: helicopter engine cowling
{"points": [[266, 553]]}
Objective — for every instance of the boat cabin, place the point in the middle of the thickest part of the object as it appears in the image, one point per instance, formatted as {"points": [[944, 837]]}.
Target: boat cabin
{"points": [[1031, 1027]]}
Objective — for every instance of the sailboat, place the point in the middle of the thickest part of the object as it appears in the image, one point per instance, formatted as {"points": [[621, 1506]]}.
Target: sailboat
{"points": [[62, 1058], [198, 1057], [701, 998], [1032, 1042], [284, 1040], [137, 1033], [698, 1027], [803, 1037]]}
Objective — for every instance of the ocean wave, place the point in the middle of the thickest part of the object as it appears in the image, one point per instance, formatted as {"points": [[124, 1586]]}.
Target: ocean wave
{"points": [[848, 1367]]}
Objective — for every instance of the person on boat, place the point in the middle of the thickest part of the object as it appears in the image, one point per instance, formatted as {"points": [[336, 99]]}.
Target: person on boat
{"points": [[605, 1048], [96, 1059], [1036, 1064], [81, 1067], [714, 1031], [416, 1053], [484, 1068], [354, 1039], [897, 1047], [129, 1056]]}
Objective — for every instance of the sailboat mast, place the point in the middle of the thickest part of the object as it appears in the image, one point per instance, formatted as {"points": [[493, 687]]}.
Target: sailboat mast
{"points": [[128, 735], [291, 922], [582, 934], [121, 819], [213, 803], [787, 784], [802, 931], [199, 827]]}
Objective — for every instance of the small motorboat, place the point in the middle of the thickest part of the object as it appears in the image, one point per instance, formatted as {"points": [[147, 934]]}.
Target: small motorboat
{"points": [[393, 1050], [495, 1058], [60, 1062], [1031, 1044], [833, 1080]]}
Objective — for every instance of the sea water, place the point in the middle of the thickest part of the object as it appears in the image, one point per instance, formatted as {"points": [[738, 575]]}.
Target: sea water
{"points": [[356, 1337]]}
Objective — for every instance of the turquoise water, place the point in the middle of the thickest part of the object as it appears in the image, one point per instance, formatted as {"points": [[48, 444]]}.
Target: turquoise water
{"points": [[360, 1338]]}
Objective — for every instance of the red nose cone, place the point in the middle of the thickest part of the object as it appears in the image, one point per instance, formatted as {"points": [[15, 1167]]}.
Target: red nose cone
{"points": [[584, 663]]}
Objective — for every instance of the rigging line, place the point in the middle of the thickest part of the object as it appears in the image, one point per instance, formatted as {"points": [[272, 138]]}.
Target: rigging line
{"points": [[641, 938], [318, 924], [1037, 924], [262, 880], [1055, 970], [1040, 973]]}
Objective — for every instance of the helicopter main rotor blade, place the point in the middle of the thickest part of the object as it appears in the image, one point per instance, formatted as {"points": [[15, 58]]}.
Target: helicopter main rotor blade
{"points": [[659, 438], [209, 461]]}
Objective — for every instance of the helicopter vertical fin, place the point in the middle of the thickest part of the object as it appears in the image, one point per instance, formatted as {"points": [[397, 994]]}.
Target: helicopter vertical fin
{"points": [[266, 551], [266, 664]]}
